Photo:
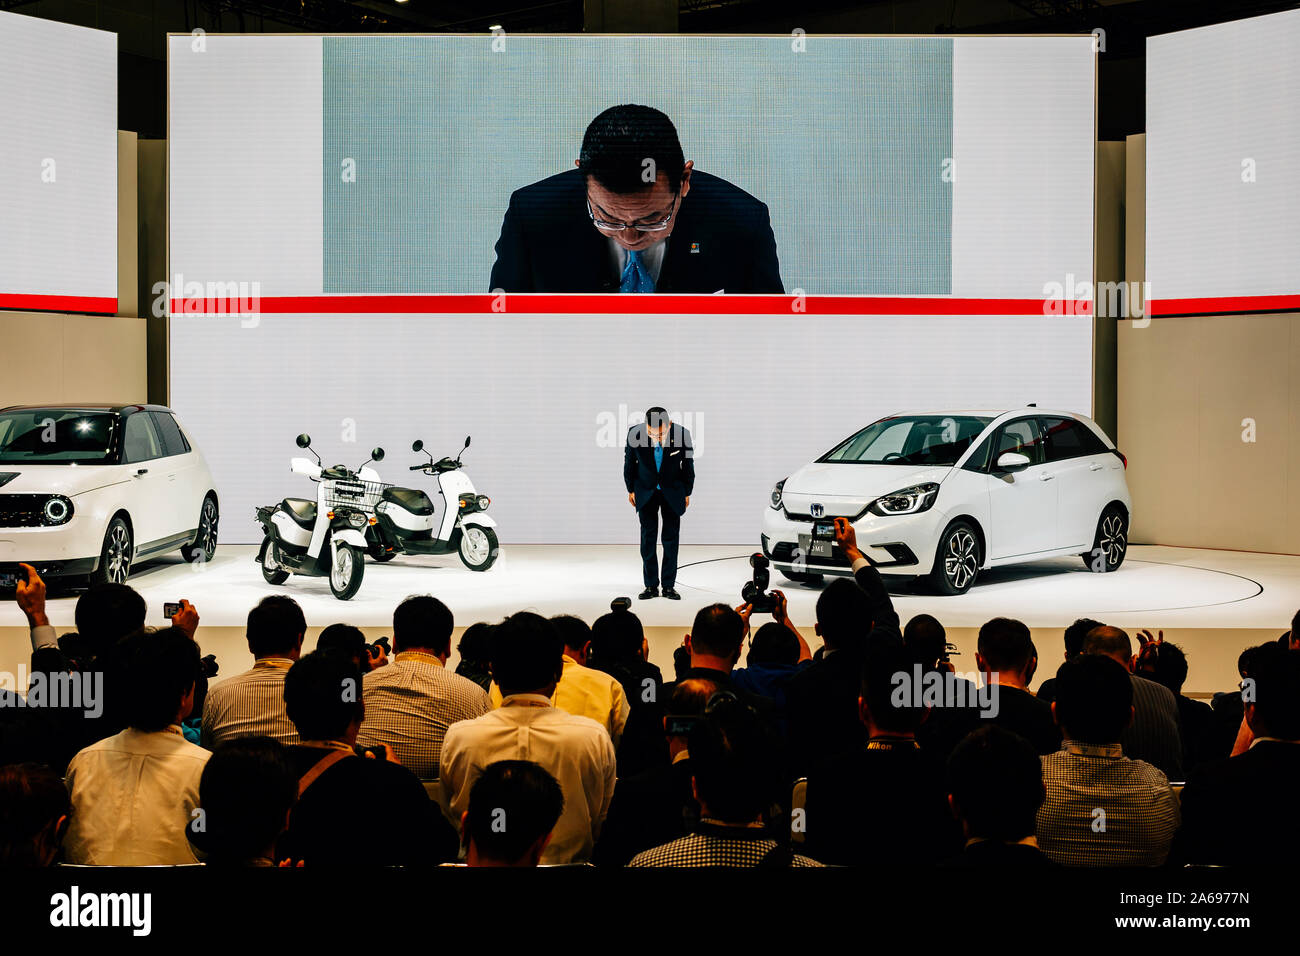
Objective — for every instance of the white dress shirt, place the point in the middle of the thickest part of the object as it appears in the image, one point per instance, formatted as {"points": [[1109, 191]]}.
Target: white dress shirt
{"points": [[132, 798], [587, 692], [576, 751]]}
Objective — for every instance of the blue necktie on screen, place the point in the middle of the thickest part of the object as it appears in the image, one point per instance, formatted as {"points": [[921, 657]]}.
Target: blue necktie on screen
{"points": [[636, 278], [659, 460]]}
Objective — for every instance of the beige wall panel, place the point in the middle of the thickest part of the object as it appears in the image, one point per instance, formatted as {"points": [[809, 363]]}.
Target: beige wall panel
{"points": [[56, 358]]}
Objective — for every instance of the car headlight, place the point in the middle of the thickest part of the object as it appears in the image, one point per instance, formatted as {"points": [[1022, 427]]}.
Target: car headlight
{"points": [[776, 492], [906, 501], [57, 509]]}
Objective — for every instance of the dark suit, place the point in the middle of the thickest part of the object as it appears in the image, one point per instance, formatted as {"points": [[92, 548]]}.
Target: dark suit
{"points": [[661, 491], [648, 810], [721, 240]]}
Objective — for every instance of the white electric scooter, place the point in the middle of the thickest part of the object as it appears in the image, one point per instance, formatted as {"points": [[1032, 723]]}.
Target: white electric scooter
{"points": [[325, 537], [407, 522]]}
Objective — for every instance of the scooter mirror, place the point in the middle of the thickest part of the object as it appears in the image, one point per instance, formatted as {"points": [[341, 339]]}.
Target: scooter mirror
{"points": [[304, 440], [377, 454], [466, 441], [417, 445]]}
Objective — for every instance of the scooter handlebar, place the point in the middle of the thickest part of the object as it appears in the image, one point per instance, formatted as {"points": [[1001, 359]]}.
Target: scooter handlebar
{"points": [[418, 467]]}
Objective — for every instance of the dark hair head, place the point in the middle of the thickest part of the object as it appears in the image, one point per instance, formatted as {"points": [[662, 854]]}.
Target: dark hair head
{"points": [[573, 631], [1110, 641], [422, 621], [246, 792], [884, 664], [33, 798], [689, 697], [996, 780], [1005, 645], [527, 653], [1276, 672], [1076, 632], [1246, 660], [275, 626], [656, 417], [732, 761], [773, 643], [1168, 666], [620, 140], [106, 613], [475, 646], [512, 805], [322, 695], [843, 614], [1094, 699], [617, 636], [161, 669], [927, 639], [718, 631], [344, 640]]}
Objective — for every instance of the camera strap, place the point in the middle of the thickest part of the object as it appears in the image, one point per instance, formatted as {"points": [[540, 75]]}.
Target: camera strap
{"points": [[318, 768]]}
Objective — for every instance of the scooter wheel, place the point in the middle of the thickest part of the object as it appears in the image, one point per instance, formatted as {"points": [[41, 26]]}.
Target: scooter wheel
{"points": [[346, 570], [478, 547], [271, 570]]}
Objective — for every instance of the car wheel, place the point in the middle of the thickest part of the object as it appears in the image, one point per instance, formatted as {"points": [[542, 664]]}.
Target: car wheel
{"points": [[205, 539], [271, 570], [115, 555], [957, 560], [1110, 543], [799, 577], [478, 547], [346, 570]]}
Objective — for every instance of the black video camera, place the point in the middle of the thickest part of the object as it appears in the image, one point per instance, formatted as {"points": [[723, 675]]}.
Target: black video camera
{"points": [[755, 592], [372, 652]]}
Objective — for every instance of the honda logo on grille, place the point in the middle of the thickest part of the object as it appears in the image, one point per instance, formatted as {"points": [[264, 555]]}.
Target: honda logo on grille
{"points": [[817, 511]]}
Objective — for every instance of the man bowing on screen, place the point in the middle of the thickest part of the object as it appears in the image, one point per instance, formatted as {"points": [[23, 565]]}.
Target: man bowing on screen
{"points": [[659, 472]]}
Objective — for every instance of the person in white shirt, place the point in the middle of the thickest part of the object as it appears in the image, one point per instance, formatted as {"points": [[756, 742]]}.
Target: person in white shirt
{"points": [[527, 661], [583, 690], [134, 793]]}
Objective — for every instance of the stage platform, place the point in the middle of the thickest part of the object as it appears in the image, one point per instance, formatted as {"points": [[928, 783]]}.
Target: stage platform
{"points": [[1214, 603]]}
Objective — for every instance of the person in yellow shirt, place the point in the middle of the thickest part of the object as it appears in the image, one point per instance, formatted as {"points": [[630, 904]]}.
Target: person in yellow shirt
{"points": [[583, 690]]}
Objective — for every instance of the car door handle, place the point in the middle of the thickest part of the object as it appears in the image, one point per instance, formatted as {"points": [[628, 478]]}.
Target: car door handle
{"points": [[141, 471], [1045, 477], [1095, 466]]}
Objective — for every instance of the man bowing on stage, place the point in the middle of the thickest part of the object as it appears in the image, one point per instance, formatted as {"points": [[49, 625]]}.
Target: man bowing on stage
{"points": [[659, 472]]}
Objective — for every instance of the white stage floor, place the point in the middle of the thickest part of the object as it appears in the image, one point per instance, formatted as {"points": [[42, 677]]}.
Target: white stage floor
{"points": [[1156, 587], [1195, 595]]}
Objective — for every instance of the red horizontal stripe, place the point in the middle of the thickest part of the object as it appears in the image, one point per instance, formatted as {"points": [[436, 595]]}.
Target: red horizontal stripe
{"points": [[58, 303], [1231, 303], [533, 303]]}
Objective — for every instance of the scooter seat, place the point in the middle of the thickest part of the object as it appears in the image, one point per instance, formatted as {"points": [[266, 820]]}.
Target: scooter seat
{"points": [[411, 499], [301, 510]]}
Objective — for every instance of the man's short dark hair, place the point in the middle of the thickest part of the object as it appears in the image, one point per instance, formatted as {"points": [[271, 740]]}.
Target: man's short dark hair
{"points": [[527, 653], [512, 805], [33, 797], [732, 761], [882, 664], [616, 636], [475, 645], [322, 695], [1076, 632], [656, 417], [422, 621], [1276, 672], [246, 792], [161, 669], [275, 625], [689, 697], [620, 140], [773, 643], [1169, 666], [106, 613], [1109, 641], [718, 631], [1094, 699], [1005, 645], [996, 780], [573, 631], [843, 614], [344, 640], [927, 639]]}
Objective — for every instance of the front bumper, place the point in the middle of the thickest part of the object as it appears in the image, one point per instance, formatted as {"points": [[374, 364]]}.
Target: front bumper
{"points": [[58, 551], [898, 544]]}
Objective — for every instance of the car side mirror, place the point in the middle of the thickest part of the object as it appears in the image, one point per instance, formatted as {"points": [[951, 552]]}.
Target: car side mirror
{"points": [[377, 454], [417, 445], [304, 440], [1012, 461]]}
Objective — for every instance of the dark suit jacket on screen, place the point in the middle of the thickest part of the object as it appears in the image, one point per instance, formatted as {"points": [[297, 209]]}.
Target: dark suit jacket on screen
{"points": [[722, 241]]}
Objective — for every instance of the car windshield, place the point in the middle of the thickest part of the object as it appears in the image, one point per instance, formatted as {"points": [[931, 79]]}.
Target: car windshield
{"points": [[911, 440], [56, 436]]}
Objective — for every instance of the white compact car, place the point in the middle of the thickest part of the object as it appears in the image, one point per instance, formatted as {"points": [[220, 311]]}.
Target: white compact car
{"points": [[87, 490], [945, 495]]}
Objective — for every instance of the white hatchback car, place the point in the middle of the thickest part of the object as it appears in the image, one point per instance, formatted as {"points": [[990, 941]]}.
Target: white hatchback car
{"points": [[945, 495], [87, 490]]}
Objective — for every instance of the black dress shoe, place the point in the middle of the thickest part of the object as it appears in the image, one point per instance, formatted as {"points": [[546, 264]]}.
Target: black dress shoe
{"points": [[648, 593], [672, 594]]}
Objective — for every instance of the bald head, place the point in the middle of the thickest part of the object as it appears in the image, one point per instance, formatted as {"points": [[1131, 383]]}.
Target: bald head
{"points": [[1109, 642]]}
